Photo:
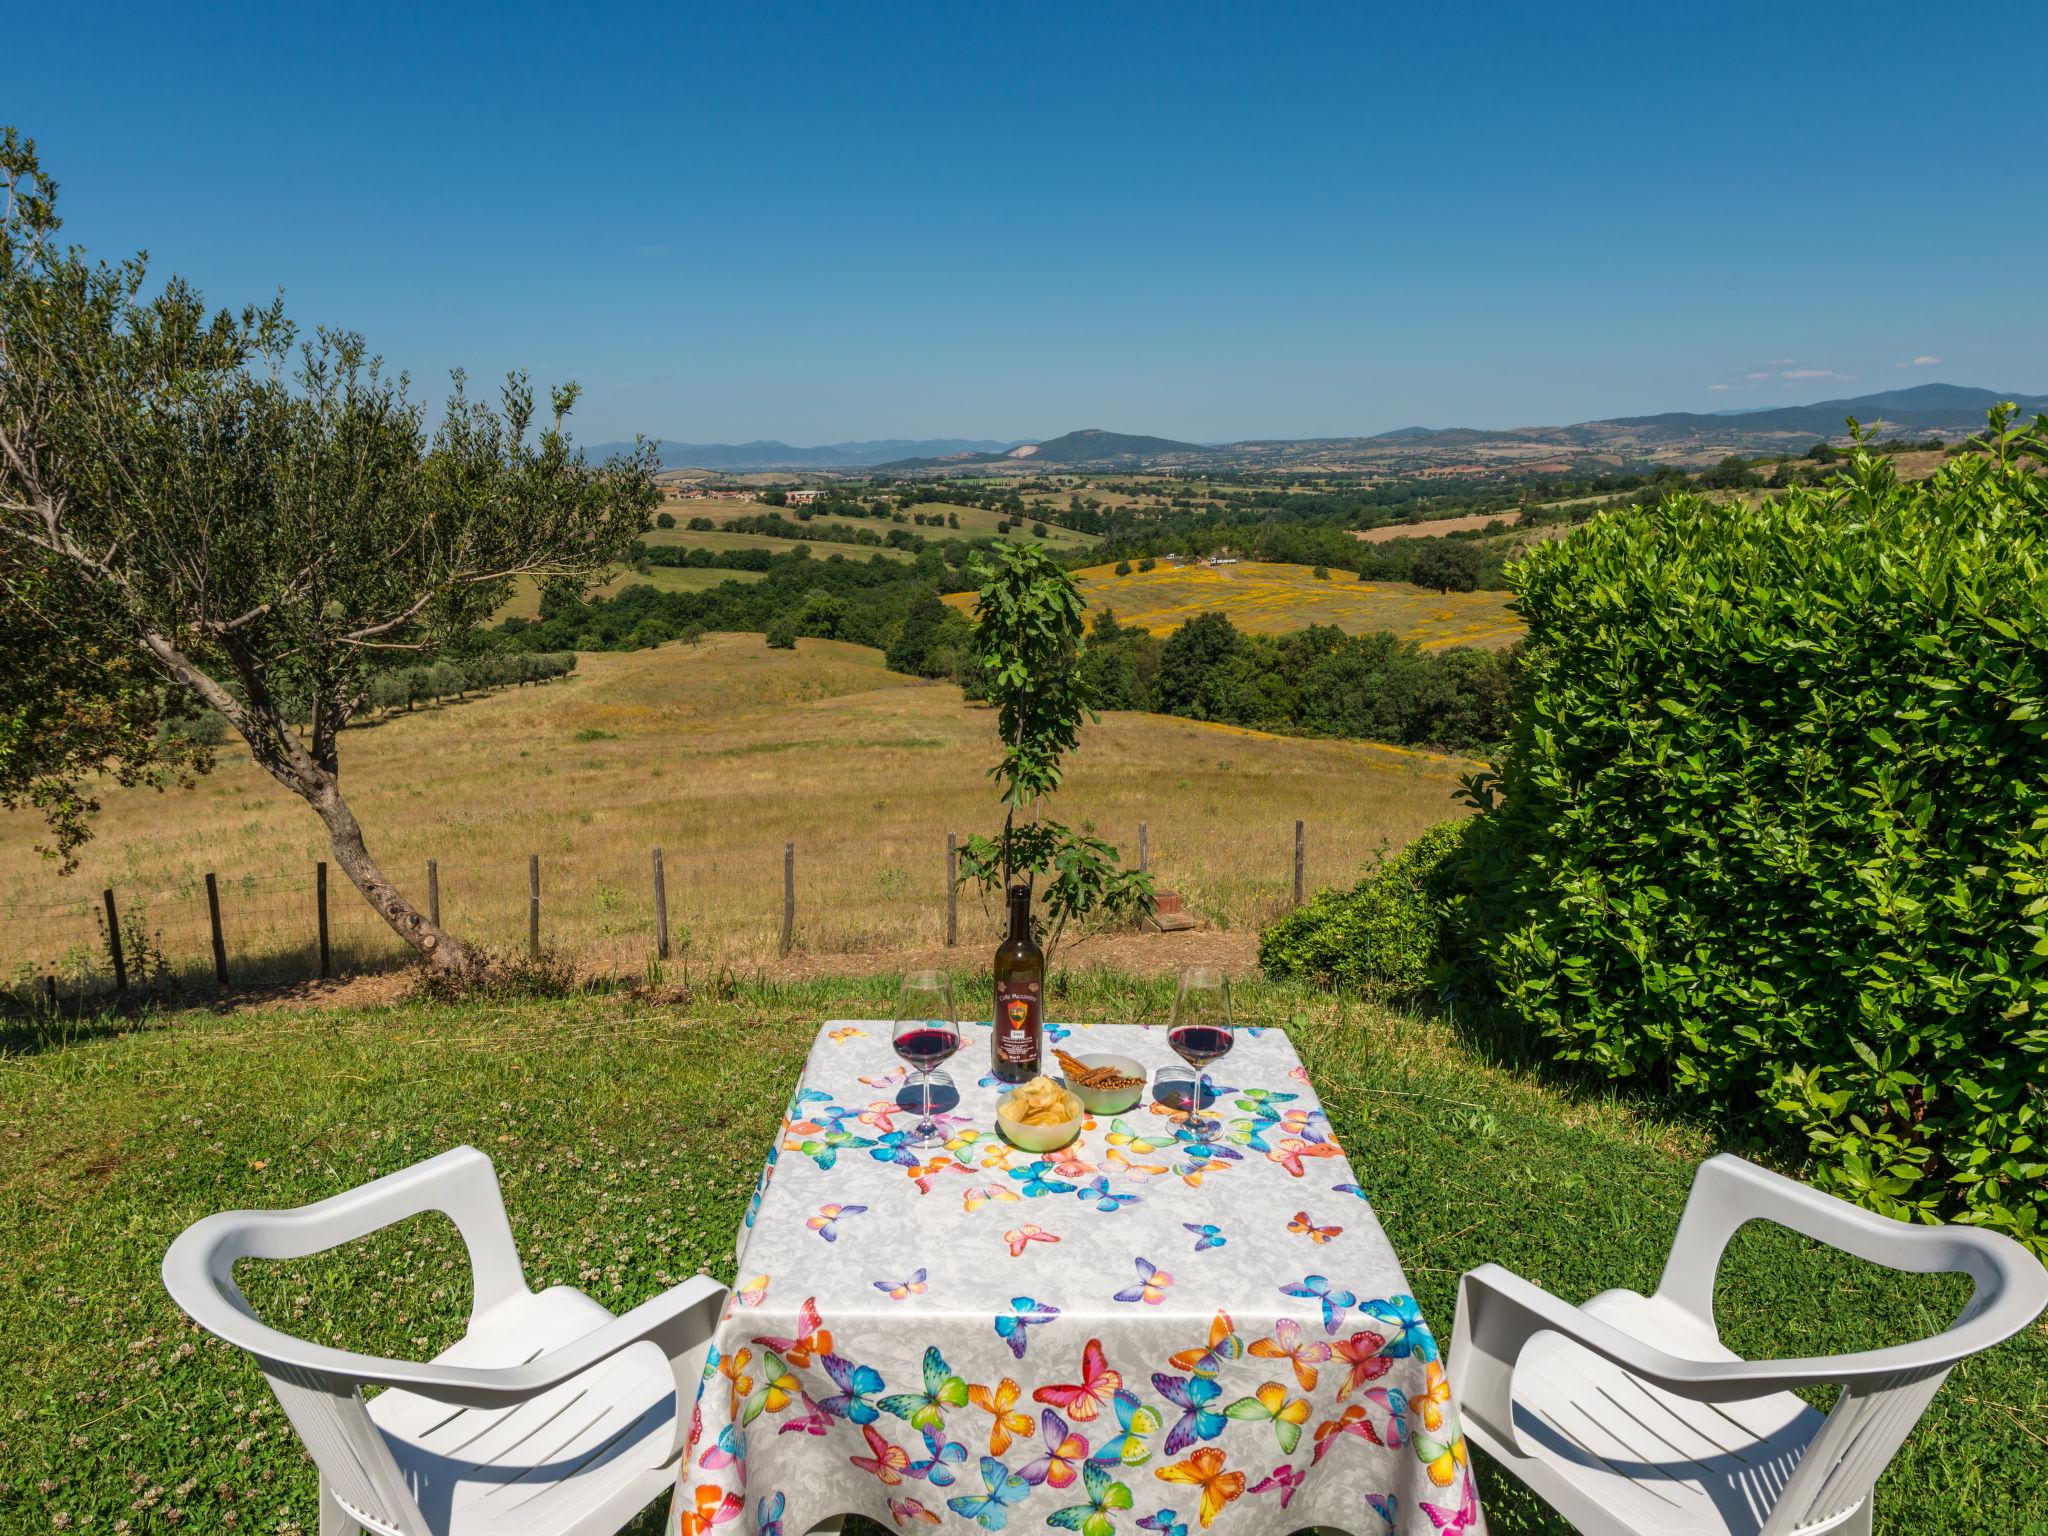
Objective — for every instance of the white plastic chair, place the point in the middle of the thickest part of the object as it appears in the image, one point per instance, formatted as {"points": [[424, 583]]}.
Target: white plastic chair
{"points": [[1629, 1417], [550, 1415]]}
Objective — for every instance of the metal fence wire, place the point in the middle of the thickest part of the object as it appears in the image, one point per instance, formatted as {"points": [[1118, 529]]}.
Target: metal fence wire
{"points": [[742, 904]]}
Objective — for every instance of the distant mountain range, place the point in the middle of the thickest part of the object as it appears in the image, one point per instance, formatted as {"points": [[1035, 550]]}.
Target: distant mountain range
{"points": [[1675, 437], [757, 456]]}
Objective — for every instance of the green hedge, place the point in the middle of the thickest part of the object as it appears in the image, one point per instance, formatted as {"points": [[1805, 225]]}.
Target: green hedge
{"points": [[1771, 827], [1385, 934]]}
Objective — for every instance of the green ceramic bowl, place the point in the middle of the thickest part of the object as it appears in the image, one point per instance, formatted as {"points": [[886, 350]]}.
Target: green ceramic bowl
{"points": [[1108, 1101], [1037, 1138]]}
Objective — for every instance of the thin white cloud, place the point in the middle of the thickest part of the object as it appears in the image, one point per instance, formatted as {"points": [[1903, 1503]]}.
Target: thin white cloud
{"points": [[1757, 377], [1779, 362], [1924, 361], [1792, 375], [1717, 386]]}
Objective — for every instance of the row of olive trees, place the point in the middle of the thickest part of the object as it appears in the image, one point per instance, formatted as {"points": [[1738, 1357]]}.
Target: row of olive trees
{"points": [[198, 511], [408, 687]]}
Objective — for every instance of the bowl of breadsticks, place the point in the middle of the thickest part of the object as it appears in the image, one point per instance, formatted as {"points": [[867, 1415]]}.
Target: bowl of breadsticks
{"points": [[1105, 1085]]}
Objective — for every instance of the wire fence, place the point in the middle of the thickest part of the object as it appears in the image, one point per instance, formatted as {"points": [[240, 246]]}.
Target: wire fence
{"points": [[741, 905]]}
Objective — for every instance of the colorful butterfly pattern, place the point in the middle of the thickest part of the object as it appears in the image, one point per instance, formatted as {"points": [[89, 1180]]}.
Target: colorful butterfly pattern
{"points": [[1303, 1226], [1205, 1470], [899, 1290], [884, 1377], [1287, 1344], [1065, 1450], [991, 1509], [1019, 1238], [942, 1390], [1210, 1358], [1271, 1405], [1023, 1314], [1093, 1518], [1149, 1287], [826, 1222], [1193, 1395], [1134, 1422], [1317, 1288], [1000, 1404]]}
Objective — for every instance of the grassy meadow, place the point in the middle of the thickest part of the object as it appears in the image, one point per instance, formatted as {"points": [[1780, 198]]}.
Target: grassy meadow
{"points": [[719, 753], [1267, 598], [627, 1138]]}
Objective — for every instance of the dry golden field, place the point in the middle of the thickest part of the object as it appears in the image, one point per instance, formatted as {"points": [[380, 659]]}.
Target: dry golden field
{"points": [[1267, 598], [720, 753], [1432, 529], [975, 522]]}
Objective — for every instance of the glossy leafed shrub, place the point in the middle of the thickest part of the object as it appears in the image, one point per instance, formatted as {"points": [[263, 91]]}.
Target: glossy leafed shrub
{"points": [[1771, 828], [1385, 934]]}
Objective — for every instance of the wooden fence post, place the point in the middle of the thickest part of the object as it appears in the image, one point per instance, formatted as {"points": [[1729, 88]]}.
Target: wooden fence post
{"points": [[50, 992], [660, 909], [952, 889], [114, 942], [1298, 854], [320, 902], [533, 906], [788, 895], [1144, 852], [434, 892], [220, 948]]}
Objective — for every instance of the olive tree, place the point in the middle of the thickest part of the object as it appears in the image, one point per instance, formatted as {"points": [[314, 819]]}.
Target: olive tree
{"points": [[257, 517], [1029, 638]]}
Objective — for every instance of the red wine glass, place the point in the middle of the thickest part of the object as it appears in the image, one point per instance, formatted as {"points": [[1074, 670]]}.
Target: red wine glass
{"points": [[1200, 1033], [926, 1033]]}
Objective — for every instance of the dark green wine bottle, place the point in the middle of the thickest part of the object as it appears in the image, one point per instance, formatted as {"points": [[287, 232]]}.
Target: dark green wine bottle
{"points": [[1020, 995]]}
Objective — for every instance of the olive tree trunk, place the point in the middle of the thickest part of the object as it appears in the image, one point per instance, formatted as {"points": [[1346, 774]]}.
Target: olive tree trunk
{"points": [[313, 776]]}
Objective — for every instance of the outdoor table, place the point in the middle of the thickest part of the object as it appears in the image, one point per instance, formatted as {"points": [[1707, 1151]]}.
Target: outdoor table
{"points": [[1131, 1335]]}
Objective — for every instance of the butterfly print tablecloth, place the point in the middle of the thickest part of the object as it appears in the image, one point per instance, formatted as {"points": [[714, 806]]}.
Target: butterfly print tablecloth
{"points": [[1134, 1336]]}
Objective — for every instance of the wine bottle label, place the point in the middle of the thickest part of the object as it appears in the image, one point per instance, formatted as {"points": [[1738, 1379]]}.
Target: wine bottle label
{"points": [[1017, 1005]]}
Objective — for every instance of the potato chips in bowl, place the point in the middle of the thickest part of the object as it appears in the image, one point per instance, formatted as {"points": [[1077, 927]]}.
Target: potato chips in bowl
{"points": [[1041, 1116]]}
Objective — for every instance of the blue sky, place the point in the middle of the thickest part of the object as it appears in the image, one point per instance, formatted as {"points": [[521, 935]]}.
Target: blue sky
{"points": [[831, 222]]}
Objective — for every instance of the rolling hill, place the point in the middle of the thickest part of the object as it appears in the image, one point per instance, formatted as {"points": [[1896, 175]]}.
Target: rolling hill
{"points": [[720, 753], [1684, 438], [770, 454], [1924, 408]]}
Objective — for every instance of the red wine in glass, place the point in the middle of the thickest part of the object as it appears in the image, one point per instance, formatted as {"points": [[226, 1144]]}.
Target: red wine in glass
{"points": [[1199, 1033], [925, 1046], [927, 1032], [1199, 1044]]}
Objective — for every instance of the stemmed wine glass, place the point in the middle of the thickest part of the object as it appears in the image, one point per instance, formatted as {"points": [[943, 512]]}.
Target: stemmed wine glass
{"points": [[927, 1032], [1199, 1033]]}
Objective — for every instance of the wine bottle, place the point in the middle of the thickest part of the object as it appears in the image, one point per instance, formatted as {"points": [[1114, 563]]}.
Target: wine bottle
{"points": [[1020, 995]]}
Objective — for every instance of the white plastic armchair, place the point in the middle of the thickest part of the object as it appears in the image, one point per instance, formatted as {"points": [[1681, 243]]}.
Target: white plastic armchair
{"points": [[1629, 1417], [549, 1415]]}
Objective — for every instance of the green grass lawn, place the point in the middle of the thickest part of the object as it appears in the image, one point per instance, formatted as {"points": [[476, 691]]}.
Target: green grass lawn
{"points": [[628, 1138]]}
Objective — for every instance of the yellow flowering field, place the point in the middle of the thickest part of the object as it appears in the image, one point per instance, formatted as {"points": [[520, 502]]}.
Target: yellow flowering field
{"points": [[1268, 598]]}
